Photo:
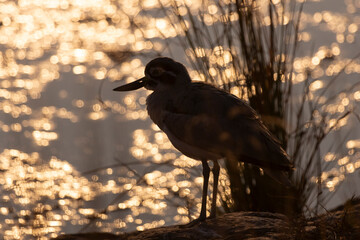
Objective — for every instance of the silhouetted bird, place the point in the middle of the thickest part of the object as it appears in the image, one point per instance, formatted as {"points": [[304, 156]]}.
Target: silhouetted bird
{"points": [[206, 123]]}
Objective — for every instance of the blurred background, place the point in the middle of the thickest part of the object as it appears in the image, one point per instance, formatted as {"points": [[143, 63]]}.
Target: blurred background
{"points": [[76, 156]]}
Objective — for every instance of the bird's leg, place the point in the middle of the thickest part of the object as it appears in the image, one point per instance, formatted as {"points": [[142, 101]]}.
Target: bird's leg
{"points": [[216, 171], [206, 174], [202, 217]]}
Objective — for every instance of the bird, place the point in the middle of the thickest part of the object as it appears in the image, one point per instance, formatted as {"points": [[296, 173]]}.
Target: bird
{"points": [[206, 123]]}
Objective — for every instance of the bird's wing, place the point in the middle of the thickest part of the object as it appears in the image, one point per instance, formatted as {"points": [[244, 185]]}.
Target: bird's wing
{"points": [[222, 124]]}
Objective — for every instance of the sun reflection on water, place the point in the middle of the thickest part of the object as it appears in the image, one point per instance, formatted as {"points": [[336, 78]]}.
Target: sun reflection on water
{"points": [[54, 54]]}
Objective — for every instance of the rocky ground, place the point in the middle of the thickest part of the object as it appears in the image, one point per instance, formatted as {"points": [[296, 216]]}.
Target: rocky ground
{"points": [[342, 223]]}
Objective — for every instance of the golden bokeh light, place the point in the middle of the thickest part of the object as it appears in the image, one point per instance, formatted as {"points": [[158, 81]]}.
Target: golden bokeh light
{"points": [[54, 57]]}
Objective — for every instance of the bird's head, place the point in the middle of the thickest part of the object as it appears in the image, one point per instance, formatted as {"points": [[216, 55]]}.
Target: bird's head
{"points": [[160, 73]]}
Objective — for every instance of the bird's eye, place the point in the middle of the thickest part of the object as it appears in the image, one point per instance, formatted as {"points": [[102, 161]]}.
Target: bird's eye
{"points": [[156, 72]]}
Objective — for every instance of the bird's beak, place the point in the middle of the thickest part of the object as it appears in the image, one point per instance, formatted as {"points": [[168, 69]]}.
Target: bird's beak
{"points": [[132, 86]]}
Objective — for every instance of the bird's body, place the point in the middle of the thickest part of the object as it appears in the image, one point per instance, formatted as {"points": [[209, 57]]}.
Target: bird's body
{"points": [[206, 123]]}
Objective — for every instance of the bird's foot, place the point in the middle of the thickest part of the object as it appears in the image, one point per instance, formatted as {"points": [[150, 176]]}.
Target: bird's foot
{"points": [[194, 222]]}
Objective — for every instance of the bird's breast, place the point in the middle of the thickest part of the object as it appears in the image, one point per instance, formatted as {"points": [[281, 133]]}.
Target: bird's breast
{"points": [[156, 104]]}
